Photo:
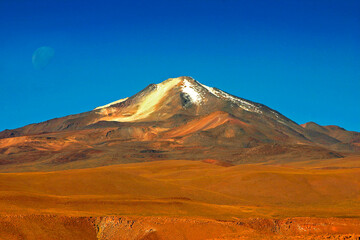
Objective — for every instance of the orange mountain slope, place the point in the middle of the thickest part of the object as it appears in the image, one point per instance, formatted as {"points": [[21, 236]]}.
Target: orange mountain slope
{"points": [[179, 118]]}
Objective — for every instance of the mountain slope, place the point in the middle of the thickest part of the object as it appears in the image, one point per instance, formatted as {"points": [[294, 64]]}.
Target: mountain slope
{"points": [[179, 118], [158, 102]]}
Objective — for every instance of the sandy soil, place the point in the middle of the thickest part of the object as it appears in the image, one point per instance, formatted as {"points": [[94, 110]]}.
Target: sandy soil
{"points": [[185, 200]]}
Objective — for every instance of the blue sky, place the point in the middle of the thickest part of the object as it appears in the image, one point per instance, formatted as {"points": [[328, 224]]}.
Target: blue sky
{"points": [[299, 57]]}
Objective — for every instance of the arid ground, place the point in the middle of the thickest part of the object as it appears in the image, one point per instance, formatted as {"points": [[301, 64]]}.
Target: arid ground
{"points": [[178, 199]]}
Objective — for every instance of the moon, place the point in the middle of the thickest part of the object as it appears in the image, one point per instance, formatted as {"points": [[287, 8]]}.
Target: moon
{"points": [[42, 57]]}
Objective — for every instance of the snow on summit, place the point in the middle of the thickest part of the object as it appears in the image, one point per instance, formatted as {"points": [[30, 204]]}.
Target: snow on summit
{"points": [[195, 90], [246, 105], [147, 103], [191, 90], [154, 102]]}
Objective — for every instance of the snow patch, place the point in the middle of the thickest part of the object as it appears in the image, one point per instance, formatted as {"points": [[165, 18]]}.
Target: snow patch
{"points": [[241, 103], [189, 89], [210, 89], [238, 101]]}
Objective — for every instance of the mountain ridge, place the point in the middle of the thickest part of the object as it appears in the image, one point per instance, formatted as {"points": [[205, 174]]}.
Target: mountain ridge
{"points": [[184, 96], [179, 118]]}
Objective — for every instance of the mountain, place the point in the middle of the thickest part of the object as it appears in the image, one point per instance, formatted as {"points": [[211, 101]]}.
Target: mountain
{"points": [[179, 118]]}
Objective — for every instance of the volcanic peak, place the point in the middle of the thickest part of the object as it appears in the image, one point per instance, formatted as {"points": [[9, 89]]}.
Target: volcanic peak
{"points": [[194, 91]]}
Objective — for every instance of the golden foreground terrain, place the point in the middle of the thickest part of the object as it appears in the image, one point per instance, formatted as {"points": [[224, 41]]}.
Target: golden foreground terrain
{"points": [[175, 199]]}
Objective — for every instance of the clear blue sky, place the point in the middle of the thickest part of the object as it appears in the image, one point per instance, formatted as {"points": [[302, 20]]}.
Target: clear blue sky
{"points": [[300, 57]]}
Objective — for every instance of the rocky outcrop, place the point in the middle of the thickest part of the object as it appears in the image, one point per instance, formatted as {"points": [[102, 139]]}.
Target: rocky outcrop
{"points": [[155, 228]]}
